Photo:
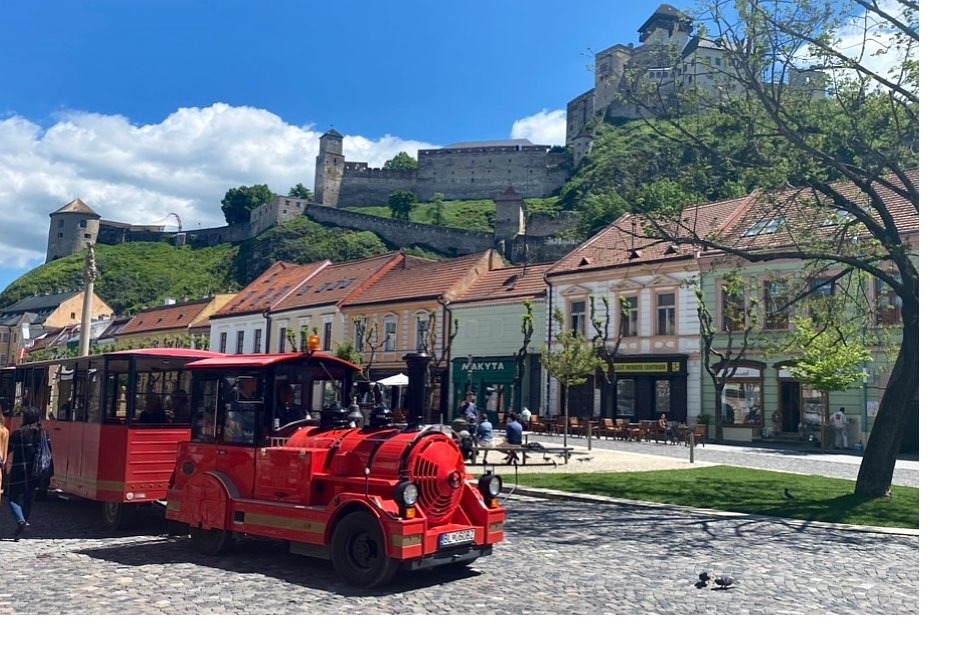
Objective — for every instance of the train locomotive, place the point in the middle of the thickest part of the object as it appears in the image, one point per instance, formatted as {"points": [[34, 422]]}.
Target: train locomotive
{"points": [[372, 499]]}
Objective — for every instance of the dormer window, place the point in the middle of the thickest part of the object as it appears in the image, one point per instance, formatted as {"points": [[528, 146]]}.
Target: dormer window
{"points": [[766, 226]]}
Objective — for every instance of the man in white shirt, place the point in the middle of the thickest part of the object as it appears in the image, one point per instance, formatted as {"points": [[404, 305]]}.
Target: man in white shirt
{"points": [[838, 424]]}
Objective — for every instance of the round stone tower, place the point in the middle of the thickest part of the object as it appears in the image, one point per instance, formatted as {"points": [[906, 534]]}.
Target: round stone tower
{"points": [[72, 227], [330, 169]]}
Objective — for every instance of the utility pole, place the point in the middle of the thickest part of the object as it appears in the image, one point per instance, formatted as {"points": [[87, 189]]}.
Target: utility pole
{"points": [[90, 275]]}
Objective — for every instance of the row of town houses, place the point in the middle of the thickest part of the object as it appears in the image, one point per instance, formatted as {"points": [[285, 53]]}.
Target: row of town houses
{"points": [[467, 313]]}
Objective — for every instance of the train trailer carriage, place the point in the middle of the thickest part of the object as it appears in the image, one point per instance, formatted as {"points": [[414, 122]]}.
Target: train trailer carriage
{"points": [[115, 421], [372, 499]]}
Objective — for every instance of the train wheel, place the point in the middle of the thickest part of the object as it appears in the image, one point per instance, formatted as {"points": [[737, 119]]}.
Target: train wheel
{"points": [[357, 552], [116, 516], [211, 542]]}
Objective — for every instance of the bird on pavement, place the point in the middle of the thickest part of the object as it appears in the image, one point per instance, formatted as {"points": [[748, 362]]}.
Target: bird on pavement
{"points": [[704, 577], [789, 495], [585, 459], [724, 582]]}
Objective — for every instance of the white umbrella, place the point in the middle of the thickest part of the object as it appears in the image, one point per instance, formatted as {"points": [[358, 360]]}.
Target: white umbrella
{"points": [[395, 380]]}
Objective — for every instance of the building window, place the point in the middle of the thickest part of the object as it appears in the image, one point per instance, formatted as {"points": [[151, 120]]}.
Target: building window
{"points": [[628, 308], [282, 347], [767, 226], [421, 334], [665, 314], [578, 317], [390, 333], [887, 303], [303, 338], [87, 235], [328, 334], [3, 359], [258, 341], [60, 235], [776, 305], [240, 338], [821, 292], [360, 327], [222, 341], [73, 315], [60, 223], [83, 223], [733, 311], [4, 337]]}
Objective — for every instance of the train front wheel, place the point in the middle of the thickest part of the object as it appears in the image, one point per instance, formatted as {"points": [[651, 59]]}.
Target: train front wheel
{"points": [[358, 553], [211, 542]]}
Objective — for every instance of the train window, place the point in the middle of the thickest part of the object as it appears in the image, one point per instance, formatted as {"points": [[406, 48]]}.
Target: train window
{"points": [[116, 392], [63, 394]]}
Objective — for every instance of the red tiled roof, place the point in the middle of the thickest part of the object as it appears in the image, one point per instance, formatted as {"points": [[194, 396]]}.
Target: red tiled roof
{"points": [[508, 283], [625, 242], [779, 219], [419, 278], [169, 317], [275, 284], [338, 281]]}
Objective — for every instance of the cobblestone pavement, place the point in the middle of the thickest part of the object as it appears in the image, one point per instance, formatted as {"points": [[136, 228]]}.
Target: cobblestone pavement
{"points": [[560, 557]]}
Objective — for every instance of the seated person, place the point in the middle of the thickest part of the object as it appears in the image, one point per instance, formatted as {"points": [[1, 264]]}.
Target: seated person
{"points": [[483, 436], [514, 435], [286, 411], [153, 413], [180, 406]]}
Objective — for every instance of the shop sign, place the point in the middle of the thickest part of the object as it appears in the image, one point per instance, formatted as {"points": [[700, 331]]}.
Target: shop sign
{"points": [[646, 366], [478, 366], [743, 373]]}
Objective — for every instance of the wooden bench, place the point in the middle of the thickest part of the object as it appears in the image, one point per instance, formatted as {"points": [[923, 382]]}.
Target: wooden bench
{"points": [[532, 454]]}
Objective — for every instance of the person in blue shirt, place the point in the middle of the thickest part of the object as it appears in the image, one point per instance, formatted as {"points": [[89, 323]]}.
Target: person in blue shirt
{"points": [[514, 435], [484, 436]]}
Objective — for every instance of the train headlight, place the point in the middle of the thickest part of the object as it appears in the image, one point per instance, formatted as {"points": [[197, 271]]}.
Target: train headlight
{"points": [[406, 496], [490, 485]]}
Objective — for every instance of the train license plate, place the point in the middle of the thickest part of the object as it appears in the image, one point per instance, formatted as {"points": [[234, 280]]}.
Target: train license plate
{"points": [[457, 537]]}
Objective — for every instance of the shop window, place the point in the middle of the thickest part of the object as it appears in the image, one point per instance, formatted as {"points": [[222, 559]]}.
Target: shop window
{"points": [[813, 410], [625, 398], [742, 399], [628, 308], [662, 396], [665, 314]]}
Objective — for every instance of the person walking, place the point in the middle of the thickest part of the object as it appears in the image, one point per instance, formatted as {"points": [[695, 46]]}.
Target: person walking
{"points": [[4, 443], [20, 465], [838, 424]]}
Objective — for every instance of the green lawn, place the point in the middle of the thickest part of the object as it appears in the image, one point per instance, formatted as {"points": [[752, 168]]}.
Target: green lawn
{"points": [[752, 491]]}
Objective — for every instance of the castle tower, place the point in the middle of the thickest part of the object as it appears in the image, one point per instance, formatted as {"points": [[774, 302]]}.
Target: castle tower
{"points": [[72, 228], [510, 216], [330, 169]]}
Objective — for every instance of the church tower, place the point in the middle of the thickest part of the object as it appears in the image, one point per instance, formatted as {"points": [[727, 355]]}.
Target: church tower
{"points": [[330, 169], [72, 228]]}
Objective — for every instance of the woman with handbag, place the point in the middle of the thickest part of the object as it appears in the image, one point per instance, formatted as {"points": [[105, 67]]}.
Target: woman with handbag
{"points": [[19, 462]]}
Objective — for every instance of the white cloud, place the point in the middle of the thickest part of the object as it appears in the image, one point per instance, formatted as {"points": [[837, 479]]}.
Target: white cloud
{"points": [[140, 173], [545, 127]]}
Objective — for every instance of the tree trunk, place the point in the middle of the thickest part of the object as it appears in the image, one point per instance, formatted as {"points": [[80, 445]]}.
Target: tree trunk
{"points": [[876, 471]]}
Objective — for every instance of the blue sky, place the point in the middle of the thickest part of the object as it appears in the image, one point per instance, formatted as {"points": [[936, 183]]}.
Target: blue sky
{"points": [[143, 108]]}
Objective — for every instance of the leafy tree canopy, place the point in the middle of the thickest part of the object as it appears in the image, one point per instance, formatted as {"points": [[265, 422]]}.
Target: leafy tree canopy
{"points": [[300, 191], [401, 162], [238, 202], [401, 204]]}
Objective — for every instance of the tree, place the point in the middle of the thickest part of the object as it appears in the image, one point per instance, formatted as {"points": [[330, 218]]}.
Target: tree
{"points": [[401, 162], [439, 355], [571, 361], [739, 314], [239, 201], [526, 326], [854, 150], [606, 351], [300, 191], [438, 209], [401, 204]]}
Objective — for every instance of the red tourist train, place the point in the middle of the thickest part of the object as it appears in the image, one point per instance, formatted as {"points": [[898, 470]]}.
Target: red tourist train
{"points": [[115, 422], [372, 499], [261, 445]]}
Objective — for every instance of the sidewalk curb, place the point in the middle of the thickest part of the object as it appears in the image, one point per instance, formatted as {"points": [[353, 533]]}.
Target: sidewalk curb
{"points": [[799, 523]]}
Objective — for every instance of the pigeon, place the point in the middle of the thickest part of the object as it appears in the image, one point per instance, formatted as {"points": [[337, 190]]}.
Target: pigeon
{"points": [[789, 495], [585, 459], [704, 577], [724, 582]]}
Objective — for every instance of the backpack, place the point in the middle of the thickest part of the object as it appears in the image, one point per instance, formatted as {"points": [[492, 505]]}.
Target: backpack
{"points": [[43, 460]]}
